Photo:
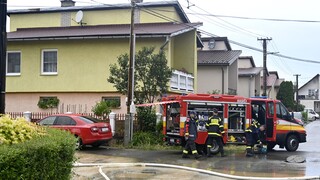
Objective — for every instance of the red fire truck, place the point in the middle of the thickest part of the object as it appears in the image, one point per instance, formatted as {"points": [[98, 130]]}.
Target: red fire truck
{"points": [[237, 113]]}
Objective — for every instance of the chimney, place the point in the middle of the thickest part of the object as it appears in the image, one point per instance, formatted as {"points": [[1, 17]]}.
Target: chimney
{"points": [[67, 3]]}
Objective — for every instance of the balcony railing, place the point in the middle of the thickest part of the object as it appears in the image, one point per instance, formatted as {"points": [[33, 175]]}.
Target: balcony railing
{"points": [[181, 81]]}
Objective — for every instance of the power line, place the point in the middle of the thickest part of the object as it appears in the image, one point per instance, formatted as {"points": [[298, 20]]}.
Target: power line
{"points": [[263, 19]]}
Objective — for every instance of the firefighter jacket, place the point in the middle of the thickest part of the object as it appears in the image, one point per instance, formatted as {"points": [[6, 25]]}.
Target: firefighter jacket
{"points": [[254, 127], [190, 129], [215, 126]]}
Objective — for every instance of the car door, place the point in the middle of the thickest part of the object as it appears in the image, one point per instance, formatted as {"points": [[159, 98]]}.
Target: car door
{"points": [[65, 123]]}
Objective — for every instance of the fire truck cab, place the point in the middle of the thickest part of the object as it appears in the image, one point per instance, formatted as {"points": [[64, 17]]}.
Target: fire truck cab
{"points": [[237, 113]]}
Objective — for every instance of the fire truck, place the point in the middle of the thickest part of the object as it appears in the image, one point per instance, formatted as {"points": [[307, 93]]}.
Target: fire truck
{"points": [[237, 113]]}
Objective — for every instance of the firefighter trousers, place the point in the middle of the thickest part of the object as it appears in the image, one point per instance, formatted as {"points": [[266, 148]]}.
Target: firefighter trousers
{"points": [[190, 145]]}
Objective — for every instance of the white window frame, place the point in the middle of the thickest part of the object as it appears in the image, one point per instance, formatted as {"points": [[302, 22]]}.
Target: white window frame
{"points": [[7, 63], [42, 65], [181, 81]]}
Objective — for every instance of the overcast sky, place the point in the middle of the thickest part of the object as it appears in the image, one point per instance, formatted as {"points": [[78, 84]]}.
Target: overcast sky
{"points": [[290, 38]]}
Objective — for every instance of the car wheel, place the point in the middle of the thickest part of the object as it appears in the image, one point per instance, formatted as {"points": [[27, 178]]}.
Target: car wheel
{"points": [[292, 143], [79, 143], [313, 118]]}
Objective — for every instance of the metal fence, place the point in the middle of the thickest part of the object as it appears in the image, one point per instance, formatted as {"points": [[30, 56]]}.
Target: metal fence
{"points": [[35, 116]]}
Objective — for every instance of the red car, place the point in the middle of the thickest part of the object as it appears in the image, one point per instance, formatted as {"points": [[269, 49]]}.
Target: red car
{"points": [[88, 130]]}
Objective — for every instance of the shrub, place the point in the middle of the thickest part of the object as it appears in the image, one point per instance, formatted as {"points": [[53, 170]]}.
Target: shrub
{"points": [[37, 153], [13, 131], [102, 109], [147, 119]]}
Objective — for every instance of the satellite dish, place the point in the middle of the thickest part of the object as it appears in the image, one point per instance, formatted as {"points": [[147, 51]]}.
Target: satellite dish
{"points": [[79, 16], [212, 43]]}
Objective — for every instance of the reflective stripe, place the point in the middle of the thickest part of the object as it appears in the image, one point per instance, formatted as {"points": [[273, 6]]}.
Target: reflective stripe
{"points": [[194, 152], [222, 132], [248, 147], [185, 151], [248, 130], [212, 133], [209, 146], [221, 126]]}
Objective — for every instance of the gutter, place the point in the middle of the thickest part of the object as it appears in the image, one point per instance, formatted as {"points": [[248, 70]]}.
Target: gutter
{"points": [[82, 37]]}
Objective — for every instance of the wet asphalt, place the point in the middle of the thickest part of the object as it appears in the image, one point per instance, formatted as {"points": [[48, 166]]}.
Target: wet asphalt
{"points": [[272, 165]]}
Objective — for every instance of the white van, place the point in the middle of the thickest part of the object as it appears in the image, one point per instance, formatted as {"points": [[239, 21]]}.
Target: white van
{"points": [[312, 115]]}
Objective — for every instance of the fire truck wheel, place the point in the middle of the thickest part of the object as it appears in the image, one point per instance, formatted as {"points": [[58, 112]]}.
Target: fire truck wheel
{"points": [[292, 143], [215, 148], [271, 145]]}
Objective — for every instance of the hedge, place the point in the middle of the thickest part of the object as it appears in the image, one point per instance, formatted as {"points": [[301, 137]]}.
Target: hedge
{"points": [[50, 156]]}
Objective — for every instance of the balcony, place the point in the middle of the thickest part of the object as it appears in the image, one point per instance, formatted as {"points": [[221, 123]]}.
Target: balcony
{"points": [[181, 82]]}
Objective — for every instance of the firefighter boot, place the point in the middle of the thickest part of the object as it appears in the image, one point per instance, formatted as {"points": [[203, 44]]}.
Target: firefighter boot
{"points": [[249, 152], [208, 152], [222, 153], [197, 156], [185, 154]]}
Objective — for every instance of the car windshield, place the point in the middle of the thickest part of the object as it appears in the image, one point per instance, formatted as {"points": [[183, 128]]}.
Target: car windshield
{"points": [[89, 119]]}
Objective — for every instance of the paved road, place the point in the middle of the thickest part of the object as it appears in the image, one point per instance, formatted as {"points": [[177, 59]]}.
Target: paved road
{"points": [[271, 165]]}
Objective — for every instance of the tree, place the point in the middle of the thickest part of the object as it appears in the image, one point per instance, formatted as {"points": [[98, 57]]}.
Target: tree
{"points": [[285, 94], [151, 75]]}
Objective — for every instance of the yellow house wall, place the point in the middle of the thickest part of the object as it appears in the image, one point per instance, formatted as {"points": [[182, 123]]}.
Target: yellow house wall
{"points": [[96, 17], [83, 65], [185, 54], [34, 20]]}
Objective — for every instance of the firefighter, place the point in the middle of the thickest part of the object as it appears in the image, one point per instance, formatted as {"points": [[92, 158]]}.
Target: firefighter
{"points": [[190, 129], [252, 137], [215, 131]]}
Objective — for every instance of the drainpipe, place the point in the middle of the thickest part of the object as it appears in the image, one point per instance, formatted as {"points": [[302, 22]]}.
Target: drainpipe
{"points": [[222, 71], [165, 43]]}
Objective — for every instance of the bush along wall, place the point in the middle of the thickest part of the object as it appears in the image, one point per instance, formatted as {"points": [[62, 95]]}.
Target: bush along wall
{"points": [[46, 156]]}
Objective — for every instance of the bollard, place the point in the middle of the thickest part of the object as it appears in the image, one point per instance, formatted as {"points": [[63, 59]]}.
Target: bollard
{"points": [[27, 115], [112, 117]]}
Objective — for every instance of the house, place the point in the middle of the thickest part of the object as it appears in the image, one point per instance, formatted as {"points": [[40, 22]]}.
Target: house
{"points": [[273, 84], [249, 77], [308, 94], [65, 52], [217, 66]]}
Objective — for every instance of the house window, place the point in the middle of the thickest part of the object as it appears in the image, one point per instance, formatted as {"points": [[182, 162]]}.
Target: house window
{"points": [[113, 101], [181, 81], [174, 81], [13, 63], [311, 92], [49, 62]]}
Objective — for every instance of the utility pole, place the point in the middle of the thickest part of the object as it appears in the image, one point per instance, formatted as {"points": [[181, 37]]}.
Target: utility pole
{"points": [[130, 102], [3, 52], [264, 45], [297, 91]]}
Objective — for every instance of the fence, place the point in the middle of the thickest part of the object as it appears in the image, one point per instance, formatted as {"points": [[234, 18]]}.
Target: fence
{"points": [[35, 116], [119, 120]]}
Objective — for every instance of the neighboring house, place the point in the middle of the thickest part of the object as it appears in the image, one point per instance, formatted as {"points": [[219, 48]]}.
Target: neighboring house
{"points": [[273, 84], [308, 94], [217, 66], [49, 54], [249, 77]]}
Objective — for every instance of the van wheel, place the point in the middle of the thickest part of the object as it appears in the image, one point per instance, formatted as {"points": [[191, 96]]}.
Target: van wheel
{"points": [[292, 143]]}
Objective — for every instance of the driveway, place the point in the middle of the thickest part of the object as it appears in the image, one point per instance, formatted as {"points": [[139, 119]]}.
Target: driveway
{"points": [[272, 165]]}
